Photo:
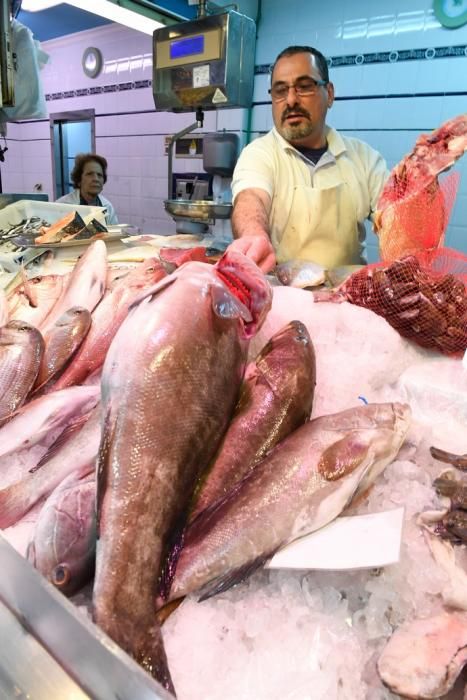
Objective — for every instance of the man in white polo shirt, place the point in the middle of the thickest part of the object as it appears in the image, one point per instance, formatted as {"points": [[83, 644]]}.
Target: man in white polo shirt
{"points": [[303, 190]]}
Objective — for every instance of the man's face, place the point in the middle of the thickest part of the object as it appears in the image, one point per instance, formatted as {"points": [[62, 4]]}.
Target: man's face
{"points": [[301, 119], [92, 180]]}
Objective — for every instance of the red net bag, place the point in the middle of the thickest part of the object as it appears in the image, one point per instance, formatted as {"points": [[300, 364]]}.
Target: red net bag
{"points": [[416, 220], [422, 296]]}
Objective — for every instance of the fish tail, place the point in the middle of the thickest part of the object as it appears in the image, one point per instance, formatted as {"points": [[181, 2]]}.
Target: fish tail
{"points": [[15, 501], [142, 640]]}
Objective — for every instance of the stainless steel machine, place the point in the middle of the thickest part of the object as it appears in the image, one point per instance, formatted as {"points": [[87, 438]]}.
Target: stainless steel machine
{"points": [[205, 64]]}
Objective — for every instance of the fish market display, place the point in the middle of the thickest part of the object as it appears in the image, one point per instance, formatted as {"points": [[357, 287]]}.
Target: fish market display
{"points": [[62, 341], [74, 452], [303, 484], [106, 320], [64, 542], [173, 392], [295, 634], [275, 398], [424, 657], [21, 351]]}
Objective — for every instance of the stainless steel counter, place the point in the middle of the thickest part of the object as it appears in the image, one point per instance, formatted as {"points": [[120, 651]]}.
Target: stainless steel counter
{"points": [[50, 650]]}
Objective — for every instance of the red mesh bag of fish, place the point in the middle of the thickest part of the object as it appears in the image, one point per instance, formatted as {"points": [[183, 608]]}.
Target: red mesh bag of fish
{"points": [[416, 221], [422, 296], [414, 207]]}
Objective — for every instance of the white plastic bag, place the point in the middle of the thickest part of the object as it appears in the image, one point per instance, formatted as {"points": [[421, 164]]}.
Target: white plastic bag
{"points": [[29, 94]]}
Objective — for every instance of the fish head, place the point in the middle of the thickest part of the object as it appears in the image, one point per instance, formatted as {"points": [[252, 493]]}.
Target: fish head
{"points": [[290, 348], [148, 272], [19, 332], [248, 285]]}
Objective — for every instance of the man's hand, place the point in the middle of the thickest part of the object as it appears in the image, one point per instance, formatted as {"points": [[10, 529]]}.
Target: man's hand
{"points": [[258, 248]]}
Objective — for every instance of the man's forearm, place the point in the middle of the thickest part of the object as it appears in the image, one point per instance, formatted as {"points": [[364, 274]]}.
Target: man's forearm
{"points": [[250, 215]]}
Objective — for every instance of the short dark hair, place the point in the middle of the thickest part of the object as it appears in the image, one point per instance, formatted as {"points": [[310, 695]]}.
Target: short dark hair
{"points": [[80, 161], [320, 59]]}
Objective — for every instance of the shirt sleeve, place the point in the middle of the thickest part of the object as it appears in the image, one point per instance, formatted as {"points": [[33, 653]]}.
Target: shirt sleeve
{"points": [[254, 168], [378, 173]]}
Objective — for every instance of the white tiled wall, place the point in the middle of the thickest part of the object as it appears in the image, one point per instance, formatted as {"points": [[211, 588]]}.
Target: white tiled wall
{"points": [[131, 134]]}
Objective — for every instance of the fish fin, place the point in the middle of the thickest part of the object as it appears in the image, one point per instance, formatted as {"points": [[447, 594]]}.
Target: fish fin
{"points": [[15, 501], [66, 435], [155, 289], [231, 578], [28, 288], [343, 457], [173, 548], [167, 609], [225, 305], [31, 553]]}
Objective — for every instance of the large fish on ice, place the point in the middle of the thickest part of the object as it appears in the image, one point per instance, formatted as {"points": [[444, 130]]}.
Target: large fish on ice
{"points": [[106, 320], [64, 541], [167, 400], [46, 416], [73, 453], [21, 351], [33, 300], [62, 341], [276, 397], [85, 287], [303, 484]]}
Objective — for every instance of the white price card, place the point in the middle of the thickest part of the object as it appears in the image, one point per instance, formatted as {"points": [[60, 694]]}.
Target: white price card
{"points": [[201, 76], [355, 542]]}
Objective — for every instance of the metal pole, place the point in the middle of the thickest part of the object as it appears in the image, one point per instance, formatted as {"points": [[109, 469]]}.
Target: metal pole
{"points": [[196, 125]]}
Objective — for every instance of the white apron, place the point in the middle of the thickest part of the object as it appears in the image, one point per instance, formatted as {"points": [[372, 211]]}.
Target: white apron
{"points": [[330, 235]]}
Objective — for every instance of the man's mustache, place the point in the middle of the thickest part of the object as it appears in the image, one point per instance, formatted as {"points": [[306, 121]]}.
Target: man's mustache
{"points": [[295, 110]]}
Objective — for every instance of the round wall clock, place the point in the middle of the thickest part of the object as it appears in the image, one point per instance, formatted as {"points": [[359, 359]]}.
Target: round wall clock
{"points": [[451, 13], [92, 62]]}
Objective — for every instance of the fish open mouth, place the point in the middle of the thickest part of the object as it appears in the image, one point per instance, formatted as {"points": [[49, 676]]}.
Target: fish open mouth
{"points": [[248, 285], [236, 286]]}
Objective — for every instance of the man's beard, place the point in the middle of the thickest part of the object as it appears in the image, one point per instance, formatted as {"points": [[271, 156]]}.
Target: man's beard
{"points": [[294, 132]]}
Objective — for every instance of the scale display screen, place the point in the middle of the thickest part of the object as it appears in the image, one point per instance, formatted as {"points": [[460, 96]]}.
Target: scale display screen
{"points": [[189, 46]]}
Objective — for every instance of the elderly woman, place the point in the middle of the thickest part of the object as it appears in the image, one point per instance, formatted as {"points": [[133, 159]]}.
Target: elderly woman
{"points": [[88, 177]]}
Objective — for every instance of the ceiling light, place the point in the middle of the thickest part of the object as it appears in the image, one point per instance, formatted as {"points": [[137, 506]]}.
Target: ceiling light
{"points": [[103, 8]]}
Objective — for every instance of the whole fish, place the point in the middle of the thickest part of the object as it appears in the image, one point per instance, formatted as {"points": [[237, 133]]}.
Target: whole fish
{"points": [[64, 541], [72, 453], [424, 657], [167, 400], [276, 397], [106, 320], [300, 274], [21, 351], [62, 341], [86, 284], [303, 484], [33, 422], [33, 300]]}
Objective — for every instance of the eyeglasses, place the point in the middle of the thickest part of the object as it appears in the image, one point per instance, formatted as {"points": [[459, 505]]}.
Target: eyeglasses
{"points": [[307, 86]]}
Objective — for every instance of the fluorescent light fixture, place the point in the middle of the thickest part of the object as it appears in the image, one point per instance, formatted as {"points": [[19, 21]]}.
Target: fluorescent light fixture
{"points": [[103, 8]]}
